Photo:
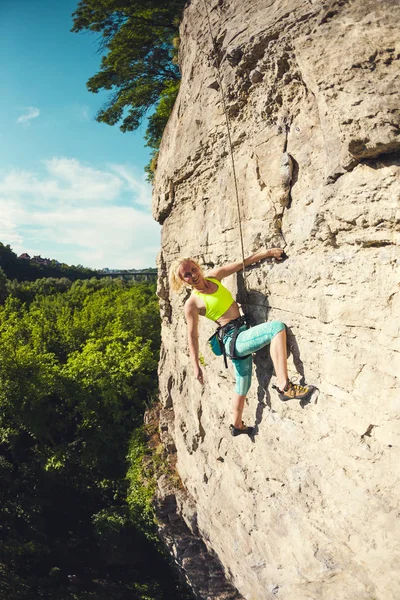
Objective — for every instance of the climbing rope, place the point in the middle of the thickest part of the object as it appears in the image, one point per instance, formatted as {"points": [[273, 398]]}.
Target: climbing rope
{"points": [[219, 77]]}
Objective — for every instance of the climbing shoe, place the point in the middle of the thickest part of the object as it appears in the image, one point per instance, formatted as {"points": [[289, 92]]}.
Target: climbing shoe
{"points": [[243, 429], [293, 391]]}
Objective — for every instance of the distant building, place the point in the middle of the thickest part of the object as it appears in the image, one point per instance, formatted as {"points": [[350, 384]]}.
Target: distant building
{"points": [[40, 261], [25, 256]]}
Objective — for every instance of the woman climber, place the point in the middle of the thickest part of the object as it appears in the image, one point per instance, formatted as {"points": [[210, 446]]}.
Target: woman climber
{"points": [[211, 299]]}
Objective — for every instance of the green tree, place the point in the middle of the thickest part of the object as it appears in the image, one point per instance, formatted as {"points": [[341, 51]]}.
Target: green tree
{"points": [[78, 363], [3, 286], [139, 66], [23, 270], [157, 123]]}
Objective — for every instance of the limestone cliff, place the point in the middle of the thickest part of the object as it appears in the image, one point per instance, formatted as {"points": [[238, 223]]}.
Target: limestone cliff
{"points": [[309, 508]]}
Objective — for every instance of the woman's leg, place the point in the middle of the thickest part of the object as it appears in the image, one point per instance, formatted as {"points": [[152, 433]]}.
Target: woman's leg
{"points": [[243, 372], [255, 338], [251, 340], [286, 389], [278, 352], [237, 409]]}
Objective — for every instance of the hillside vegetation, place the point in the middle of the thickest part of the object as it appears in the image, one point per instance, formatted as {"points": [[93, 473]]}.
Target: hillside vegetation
{"points": [[25, 270], [78, 366]]}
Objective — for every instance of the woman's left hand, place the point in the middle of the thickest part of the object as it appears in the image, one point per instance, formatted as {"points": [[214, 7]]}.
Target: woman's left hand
{"points": [[276, 253]]}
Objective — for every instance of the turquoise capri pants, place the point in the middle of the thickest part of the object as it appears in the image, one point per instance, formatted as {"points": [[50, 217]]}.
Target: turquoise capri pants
{"points": [[247, 342]]}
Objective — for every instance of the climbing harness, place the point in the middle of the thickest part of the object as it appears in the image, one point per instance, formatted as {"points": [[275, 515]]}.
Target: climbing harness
{"points": [[216, 341], [215, 49]]}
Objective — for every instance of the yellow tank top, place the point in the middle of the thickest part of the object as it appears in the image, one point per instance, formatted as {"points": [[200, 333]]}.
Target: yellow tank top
{"points": [[217, 303]]}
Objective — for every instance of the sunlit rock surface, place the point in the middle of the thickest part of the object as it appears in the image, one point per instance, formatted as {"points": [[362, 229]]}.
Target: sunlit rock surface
{"points": [[309, 508]]}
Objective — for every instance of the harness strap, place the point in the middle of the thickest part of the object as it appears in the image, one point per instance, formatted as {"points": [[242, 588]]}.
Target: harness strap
{"points": [[221, 332]]}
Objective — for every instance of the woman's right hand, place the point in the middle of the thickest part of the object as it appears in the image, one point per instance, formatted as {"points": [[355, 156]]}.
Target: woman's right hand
{"points": [[276, 253], [198, 373]]}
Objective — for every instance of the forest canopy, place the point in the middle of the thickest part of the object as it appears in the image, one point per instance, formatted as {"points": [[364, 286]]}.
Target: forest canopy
{"points": [[24, 270], [138, 42], [78, 367]]}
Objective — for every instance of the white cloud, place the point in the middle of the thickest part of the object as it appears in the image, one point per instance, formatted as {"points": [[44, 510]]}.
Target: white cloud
{"points": [[10, 214], [79, 214], [66, 180], [139, 186], [31, 113]]}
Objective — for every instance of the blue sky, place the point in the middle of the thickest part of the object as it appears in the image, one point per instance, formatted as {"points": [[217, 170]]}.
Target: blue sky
{"points": [[70, 188]]}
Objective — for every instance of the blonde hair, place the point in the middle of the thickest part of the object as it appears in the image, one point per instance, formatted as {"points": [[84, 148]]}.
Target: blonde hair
{"points": [[175, 280]]}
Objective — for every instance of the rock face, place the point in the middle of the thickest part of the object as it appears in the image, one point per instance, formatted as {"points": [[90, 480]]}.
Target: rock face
{"points": [[308, 509]]}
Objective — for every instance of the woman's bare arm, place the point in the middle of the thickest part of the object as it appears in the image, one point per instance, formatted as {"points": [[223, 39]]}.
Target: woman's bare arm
{"points": [[221, 272], [192, 321]]}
